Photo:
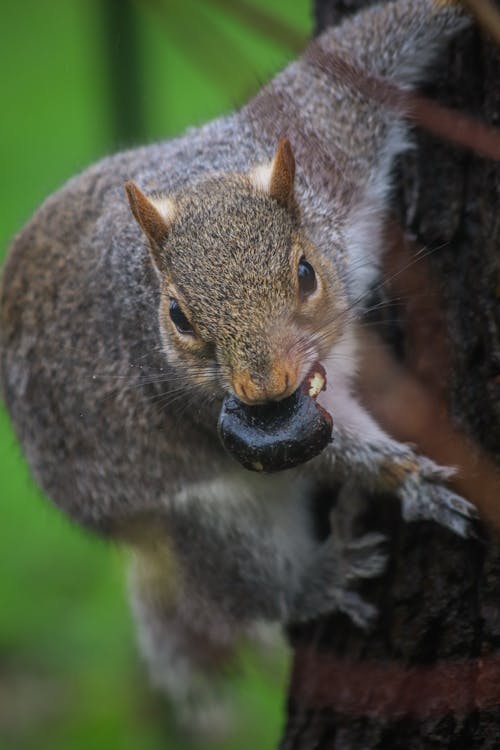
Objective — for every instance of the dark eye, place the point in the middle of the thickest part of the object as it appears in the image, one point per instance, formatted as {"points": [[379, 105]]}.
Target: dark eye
{"points": [[179, 319], [307, 278]]}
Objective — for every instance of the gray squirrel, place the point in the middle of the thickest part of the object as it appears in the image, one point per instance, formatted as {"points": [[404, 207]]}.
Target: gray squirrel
{"points": [[263, 236]]}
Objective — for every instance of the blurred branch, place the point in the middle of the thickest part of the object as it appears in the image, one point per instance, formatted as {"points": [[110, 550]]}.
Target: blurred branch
{"points": [[123, 61], [264, 22], [203, 41], [454, 126], [390, 690], [411, 401], [449, 124]]}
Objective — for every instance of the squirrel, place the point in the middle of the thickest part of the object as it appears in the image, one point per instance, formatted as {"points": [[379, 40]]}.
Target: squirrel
{"points": [[244, 256]]}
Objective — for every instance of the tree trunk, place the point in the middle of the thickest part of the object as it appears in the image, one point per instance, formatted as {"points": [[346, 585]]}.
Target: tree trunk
{"points": [[428, 674]]}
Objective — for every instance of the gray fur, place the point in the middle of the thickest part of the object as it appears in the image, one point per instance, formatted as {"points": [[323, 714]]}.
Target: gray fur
{"points": [[119, 424]]}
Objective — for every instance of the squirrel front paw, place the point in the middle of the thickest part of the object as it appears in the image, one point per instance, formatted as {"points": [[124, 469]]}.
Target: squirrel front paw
{"points": [[420, 485], [424, 496], [391, 467], [338, 564]]}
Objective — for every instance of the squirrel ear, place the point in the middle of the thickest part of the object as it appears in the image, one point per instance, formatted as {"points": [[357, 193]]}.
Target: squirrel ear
{"points": [[277, 177], [282, 173], [154, 215]]}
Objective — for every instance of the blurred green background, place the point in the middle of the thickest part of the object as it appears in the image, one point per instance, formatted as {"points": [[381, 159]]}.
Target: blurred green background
{"points": [[80, 79]]}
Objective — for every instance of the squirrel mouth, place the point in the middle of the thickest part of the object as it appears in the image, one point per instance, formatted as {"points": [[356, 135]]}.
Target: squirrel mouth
{"points": [[277, 435]]}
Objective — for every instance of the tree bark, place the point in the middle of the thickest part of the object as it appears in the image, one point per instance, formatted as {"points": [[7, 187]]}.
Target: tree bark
{"points": [[428, 674]]}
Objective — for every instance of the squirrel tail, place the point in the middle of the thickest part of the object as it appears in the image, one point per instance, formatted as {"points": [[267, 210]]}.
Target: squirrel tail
{"points": [[187, 664]]}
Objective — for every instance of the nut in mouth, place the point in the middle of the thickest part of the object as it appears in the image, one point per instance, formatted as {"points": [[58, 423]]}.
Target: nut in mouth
{"points": [[280, 434]]}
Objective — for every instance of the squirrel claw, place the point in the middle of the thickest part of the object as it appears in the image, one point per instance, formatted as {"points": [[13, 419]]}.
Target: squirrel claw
{"points": [[424, 500], [339, 563], [365, 557], [360, 612]]}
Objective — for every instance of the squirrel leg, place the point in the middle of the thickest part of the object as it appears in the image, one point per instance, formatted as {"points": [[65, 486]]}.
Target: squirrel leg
{"points": [[341, 560], [260, 560], [189, 666], [360, 449]]}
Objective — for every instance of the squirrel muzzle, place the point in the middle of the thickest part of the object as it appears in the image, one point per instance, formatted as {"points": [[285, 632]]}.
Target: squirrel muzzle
{"points": [[279, 434], [278, 384]]}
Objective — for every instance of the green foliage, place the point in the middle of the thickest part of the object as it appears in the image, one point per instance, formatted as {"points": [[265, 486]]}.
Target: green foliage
{"points": [[70, 675]]}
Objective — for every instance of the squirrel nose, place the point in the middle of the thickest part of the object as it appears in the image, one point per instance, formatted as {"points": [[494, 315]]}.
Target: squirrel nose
{"points": [[279, 383]]}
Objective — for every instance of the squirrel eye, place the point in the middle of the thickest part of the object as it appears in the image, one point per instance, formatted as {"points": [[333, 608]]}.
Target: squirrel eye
{"points": [[307, 278], [179, 319]]}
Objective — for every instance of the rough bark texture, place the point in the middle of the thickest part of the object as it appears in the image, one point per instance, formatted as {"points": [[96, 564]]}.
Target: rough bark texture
{"points": [[428, 675]]}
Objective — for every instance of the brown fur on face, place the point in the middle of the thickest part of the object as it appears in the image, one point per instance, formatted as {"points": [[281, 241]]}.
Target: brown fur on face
{"points": [[230, 260]]}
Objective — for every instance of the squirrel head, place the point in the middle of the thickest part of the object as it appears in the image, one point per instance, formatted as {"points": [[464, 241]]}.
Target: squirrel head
{"points": [[248, 303]]}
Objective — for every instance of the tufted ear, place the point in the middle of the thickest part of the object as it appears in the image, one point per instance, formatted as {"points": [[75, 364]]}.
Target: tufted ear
{"points": [[154, 215], [277, 178]]}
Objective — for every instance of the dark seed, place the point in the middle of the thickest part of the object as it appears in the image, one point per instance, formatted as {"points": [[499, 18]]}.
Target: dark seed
{"points": [[277, 435]]}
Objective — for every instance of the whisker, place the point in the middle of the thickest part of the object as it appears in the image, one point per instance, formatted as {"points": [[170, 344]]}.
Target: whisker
{"points": [[350, 313]]}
